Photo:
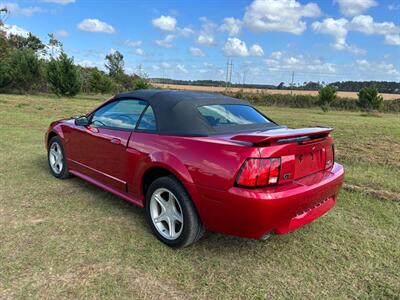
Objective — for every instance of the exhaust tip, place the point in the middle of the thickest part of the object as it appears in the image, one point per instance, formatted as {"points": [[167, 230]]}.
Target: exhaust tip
{"points": [[266, 236]]}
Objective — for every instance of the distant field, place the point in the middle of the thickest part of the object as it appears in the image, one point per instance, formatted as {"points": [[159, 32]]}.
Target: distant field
{"points": [[250, 90], [66, 239]]}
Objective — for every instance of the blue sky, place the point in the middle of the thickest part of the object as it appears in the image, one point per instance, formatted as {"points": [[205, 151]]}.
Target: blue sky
{"points": [[267, 40]]}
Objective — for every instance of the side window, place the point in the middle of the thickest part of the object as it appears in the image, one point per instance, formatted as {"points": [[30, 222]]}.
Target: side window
{"points": [[148, 121], [122, 114]]}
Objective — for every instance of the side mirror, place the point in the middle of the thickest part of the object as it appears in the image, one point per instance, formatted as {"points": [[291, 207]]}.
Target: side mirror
{"points": [[82, 121]]}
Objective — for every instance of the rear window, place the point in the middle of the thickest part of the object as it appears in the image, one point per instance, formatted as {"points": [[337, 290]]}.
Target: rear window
{"points": [[231, 114]]}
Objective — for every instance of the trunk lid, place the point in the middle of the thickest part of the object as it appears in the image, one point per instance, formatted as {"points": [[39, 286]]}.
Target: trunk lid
{"points": [[303, 151]]}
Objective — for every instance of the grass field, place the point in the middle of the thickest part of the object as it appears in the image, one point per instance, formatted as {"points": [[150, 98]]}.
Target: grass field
{"points": [[68, 239], [270, 91]]}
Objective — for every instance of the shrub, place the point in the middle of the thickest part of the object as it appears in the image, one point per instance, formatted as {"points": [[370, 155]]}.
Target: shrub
{"points": [[63, 76], [26, 70], [369, 99], [140, 83], [100, 82], [326, 96], [5, 73]]}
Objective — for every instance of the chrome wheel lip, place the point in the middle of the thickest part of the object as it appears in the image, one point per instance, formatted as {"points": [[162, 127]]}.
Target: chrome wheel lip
{"points": [[56, 158], [166, 214]]}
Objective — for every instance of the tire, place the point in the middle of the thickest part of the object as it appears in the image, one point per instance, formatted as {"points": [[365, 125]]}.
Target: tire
{"points": [[162, 209], [56, 158]]}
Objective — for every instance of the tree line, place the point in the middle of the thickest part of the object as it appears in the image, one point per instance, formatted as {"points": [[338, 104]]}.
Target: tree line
{"points": [[390, 87], [28, 65]]}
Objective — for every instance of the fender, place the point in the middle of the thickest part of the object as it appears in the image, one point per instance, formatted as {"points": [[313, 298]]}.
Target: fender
{"points": [[140, 164], [173, 164]]}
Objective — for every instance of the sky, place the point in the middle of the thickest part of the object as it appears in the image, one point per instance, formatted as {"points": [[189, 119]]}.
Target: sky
{"points": [[267, 41]]}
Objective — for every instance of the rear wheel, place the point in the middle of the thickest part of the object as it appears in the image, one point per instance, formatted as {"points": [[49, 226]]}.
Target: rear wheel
{"points": [[56, 158], [171, 214]]}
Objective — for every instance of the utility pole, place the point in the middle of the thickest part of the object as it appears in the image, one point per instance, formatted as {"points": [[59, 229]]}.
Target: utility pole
{"points": [[229, 69], [227, 72], [291, 85]]}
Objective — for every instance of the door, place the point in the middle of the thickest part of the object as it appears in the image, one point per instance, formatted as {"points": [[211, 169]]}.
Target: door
{"points": [[99, 149]]}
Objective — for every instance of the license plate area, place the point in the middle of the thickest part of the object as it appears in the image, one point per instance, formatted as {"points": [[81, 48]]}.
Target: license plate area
{"points": [[308, 163]]}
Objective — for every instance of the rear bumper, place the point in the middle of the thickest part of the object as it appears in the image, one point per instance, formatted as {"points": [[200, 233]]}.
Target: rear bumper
{"points": [[253, 213]]}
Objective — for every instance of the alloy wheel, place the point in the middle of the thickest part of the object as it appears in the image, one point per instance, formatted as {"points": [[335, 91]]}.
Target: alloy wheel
{"points": [[166, 213], [56, 158]]}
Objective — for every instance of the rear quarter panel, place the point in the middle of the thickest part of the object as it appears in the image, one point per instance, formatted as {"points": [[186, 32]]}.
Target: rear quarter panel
{"points": [[194, 160]]}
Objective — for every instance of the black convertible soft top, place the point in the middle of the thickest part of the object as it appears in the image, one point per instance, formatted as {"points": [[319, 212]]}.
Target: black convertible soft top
{"points": [[176, 111]]}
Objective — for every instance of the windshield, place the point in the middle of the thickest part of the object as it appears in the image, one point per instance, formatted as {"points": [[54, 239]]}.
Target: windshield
{"points": [[232, 114]]}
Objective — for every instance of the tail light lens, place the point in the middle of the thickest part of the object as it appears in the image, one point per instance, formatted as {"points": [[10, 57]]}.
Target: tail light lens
{"points": [[330, 156], [257, 172]]}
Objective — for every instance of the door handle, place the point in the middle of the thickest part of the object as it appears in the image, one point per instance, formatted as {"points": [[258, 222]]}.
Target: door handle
{"points": [[116, 141]]}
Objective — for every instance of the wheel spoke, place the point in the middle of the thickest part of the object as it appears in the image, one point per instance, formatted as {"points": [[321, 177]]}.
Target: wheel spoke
{"points": [[177, 217], [161, 217], [54, 153], [160, 200], [171, 227]]}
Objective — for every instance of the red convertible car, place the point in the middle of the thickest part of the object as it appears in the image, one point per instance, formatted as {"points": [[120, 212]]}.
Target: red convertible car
{"points": [[200, 161]]}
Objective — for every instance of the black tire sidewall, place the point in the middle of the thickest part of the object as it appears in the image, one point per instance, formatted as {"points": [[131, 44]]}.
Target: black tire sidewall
{"points": [[190, 218], [64, 172]]}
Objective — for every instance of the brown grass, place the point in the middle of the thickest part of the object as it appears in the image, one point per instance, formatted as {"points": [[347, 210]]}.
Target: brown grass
{"points": [[270, 91]]}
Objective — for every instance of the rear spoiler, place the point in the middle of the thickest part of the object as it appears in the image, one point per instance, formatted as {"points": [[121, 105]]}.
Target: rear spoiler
{"points": [[286, 135]]}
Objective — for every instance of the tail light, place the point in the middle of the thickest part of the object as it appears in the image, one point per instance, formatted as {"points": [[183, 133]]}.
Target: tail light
{"points": [[257, 172], [330, 156]]}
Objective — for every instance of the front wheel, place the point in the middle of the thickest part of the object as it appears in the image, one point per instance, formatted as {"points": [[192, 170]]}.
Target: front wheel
{"points": [[171, 214], [56, 158]]}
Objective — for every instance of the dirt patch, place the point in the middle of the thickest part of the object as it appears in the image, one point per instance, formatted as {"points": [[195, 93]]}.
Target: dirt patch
{"points": [[378, 193]]}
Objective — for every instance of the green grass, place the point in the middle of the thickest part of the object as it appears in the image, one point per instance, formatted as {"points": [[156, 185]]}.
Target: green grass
{"points": [[68, 239]]}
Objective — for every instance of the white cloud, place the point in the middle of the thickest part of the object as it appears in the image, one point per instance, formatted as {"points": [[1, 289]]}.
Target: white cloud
{"points": [[392, 39], [256, 50], [338, 29], [276, 55], [367, 25], [165, 23], [62, 2], [133, 44], [236, 47], [351, 8], [15, 30], [167, 41], [195, 51], [182, 68], [281, 62], [377, 68], [140, 51], [185, 31], [232, 26], [279, 15], [15, 9], [95, 25], [61, 33], [207, 33]]}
